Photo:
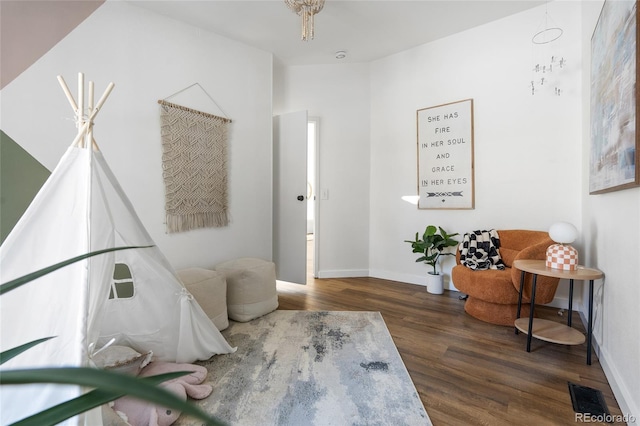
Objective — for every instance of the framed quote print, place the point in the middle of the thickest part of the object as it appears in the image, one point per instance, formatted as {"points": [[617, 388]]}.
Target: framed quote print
{"points": [[445, 156]]}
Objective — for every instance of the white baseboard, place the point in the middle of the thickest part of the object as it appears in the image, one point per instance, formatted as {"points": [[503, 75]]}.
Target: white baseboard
{"points": [[563, 303], [630, 411], [395, 276], [557, 302], [344, 273]]}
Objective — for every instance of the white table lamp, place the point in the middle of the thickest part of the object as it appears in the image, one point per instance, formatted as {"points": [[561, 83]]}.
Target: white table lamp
{"points": [[562, 255]]}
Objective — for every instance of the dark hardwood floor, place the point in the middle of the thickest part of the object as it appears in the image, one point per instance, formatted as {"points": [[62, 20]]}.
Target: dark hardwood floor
{"points": [[467, 372]]}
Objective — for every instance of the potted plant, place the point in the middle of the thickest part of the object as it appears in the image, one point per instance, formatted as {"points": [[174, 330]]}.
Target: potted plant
{"points": [[431, 246]]}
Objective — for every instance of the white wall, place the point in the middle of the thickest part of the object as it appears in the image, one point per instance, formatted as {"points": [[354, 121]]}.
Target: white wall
{"points": [[150, 57], [611, 226], [339, 96], [524, 145]]}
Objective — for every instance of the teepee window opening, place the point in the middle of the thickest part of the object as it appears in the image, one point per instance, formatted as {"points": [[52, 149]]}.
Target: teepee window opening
{"points": [[122, 286]]}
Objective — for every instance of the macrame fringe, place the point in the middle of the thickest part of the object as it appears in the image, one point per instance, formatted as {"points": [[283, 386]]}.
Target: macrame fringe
{"points": [[186, 222]]}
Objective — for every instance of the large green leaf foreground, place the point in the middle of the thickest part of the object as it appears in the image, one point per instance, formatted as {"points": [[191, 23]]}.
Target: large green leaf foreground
{"points": [[15, 283], [108, 385]]}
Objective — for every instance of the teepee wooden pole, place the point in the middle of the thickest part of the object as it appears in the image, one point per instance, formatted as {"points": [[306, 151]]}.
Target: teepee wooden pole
{"points": [[81, 93], [80, 135], [67, 92], [102, 100], [90, 98], [80, 116], [96, 109], [94, 145], [85, 125]]}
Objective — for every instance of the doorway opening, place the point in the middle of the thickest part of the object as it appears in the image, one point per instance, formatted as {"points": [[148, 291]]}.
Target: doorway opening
{"points": [[312, 204]]}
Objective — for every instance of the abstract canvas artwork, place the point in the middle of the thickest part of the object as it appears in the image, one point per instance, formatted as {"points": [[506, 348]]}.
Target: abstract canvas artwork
{"points": [[614, 99]]}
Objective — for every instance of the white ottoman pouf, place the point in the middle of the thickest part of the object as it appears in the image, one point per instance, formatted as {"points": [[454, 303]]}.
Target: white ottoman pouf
{"points": [[210, 291], [251, 288]]}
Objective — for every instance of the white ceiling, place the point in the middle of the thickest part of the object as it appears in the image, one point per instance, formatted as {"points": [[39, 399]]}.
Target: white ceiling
{"points": [[365, 29]]}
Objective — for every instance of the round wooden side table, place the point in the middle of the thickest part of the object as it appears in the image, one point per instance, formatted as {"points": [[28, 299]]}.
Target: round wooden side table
{"points": [[551, 331]]}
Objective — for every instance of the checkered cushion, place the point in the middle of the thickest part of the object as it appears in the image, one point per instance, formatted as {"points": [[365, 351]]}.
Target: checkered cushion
{"points": [[480, 250]]}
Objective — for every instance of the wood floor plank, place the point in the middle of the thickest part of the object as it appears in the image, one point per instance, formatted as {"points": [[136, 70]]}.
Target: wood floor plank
{"points": [[465, 371]]}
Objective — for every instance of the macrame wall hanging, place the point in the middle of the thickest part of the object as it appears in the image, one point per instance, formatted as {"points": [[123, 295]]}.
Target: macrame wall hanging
{"points": [[194, 166]]}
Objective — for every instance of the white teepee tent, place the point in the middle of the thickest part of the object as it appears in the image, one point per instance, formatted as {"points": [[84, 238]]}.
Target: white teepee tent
{"points": [[82, 208]]}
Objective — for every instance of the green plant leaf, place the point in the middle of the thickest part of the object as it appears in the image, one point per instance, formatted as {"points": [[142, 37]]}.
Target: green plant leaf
{"points": [[10, 353], [430, 230], [431, 257], [432, 245], [68, 409], [13, 284], [111, 386]]}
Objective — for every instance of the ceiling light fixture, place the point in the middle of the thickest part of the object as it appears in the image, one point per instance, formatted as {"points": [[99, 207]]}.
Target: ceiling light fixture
{"points": [[306, 9], [341, 54]]}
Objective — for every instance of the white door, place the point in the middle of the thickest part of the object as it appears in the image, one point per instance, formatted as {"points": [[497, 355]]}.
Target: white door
{"points": [[289, 196]]}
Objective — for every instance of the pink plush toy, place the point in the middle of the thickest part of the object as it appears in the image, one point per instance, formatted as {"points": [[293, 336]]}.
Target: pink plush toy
{"points": [[143, 413]]}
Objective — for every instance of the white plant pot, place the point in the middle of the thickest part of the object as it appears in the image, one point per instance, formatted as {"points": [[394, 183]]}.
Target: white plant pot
{"points": [[435, 284]]}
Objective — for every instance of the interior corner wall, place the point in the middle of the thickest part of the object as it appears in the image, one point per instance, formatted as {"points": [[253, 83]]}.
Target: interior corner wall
{"points": [[151, 57], [611, 227], [527, 147], [339, 96]]}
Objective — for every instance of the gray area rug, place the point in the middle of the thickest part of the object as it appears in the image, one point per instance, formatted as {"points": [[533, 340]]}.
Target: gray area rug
{"points": [[311, 368]]}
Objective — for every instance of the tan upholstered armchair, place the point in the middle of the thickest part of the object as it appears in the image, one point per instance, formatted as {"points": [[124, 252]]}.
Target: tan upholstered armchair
{"points": [[493, 294]]}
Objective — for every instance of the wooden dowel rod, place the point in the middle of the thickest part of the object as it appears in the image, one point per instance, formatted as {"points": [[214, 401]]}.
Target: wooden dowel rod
{"points": [[81, 133], [67, 92], [101, 101], [90, 110], [80, 95], [90, 105], [85, 131]]}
